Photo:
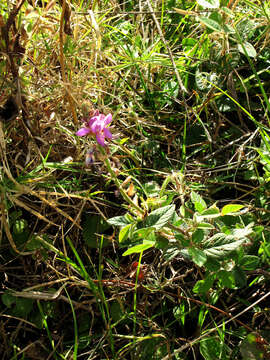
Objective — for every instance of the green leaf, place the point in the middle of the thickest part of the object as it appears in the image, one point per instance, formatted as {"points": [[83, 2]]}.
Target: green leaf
{"points": [[23, 307], [198, 202], [212, 348], [179, 313], [189, 43], [144, 233], [211, 24], [198, 256], [93, 226], [152, 189], [250, 50], [241, 233], [197, 236], [203, 286], [226, 278], [120, 220], [220, 245], [204, 225], [116, 311], [210, 213], [171, 253], [160, 217], [252, 350], [249, 262], [139, 248], [209, 4], [239, 277], [212, 264], [8, 299], [161, 243], [33, 244], [231, 208], [124, 232], [20, 226]]}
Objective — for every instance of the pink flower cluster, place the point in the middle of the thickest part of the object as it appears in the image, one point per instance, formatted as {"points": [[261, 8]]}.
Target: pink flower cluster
{"points": [[97, 125]]}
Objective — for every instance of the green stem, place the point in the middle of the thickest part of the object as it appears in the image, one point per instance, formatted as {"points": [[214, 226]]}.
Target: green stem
{"points": [[118, 184]]}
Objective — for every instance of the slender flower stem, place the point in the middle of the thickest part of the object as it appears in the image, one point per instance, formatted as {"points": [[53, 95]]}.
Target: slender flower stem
{"points": [[117, 182]]}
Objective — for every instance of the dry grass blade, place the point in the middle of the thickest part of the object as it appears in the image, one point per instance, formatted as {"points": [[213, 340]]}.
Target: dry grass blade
{"points": [[180, 83], [7, 231], [62, 62], [20, 203]]}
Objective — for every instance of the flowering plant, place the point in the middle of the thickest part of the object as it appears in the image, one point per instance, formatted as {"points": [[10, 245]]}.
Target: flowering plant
{"points": [[97, 125]]}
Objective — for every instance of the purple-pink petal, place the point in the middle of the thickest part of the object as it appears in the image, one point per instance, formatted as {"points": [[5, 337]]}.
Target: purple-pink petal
{"points": [[107, 133], [108, 119], [83, 131], [100, 139], [96, 127]]}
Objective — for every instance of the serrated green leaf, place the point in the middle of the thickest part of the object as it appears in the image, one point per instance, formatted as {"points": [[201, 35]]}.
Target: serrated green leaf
{"points": [[120, 220], [197, 236], [198, 256], [220, 245], [212, 210], [231, 208], [198, 202], [160, 217], [249, 262], [171, 253], [243, 232], [239, 277], [139, 248], [209, 4], [210, 213]]}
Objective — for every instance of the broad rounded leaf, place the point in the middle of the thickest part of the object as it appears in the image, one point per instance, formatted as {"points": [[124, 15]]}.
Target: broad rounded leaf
{"points": [[123, 234], [226, 278], [219, 245], [249, 262], [8, 299], [231, 208], [198, 256], [250, 50], [120, 220], [160, 217], [139, 248], [211, 348], [203, 286]]}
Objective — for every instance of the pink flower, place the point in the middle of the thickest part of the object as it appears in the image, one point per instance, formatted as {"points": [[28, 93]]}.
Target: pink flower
{"points": [[97, 125]]}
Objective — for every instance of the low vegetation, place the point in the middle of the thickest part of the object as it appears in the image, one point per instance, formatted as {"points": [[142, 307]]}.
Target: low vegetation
{"points": [[134, 179]]}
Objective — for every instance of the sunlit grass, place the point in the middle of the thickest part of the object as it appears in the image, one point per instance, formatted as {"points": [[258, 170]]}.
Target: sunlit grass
{"points": [[187, 87]]}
